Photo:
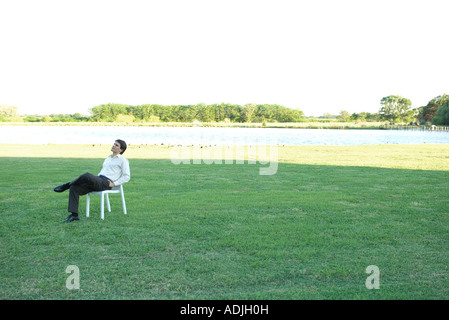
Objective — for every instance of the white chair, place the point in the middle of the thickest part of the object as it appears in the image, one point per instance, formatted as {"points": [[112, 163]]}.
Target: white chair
{"points": [[117, 189]]}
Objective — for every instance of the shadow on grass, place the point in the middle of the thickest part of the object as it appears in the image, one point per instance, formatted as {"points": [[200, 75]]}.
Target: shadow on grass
{"points": [[225, 232]]}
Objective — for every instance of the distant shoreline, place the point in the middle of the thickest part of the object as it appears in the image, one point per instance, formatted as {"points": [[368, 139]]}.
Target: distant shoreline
{"points": [[279, 125], [298, 125]]}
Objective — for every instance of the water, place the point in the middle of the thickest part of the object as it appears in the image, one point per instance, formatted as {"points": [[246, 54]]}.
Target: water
{"points": [[212, 136]]}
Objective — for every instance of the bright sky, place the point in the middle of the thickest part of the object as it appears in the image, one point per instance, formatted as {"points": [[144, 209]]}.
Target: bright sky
{"points": [[60, 56]]}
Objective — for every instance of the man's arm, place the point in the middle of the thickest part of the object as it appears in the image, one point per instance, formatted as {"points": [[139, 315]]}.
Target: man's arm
{"points": [[126, 174]]}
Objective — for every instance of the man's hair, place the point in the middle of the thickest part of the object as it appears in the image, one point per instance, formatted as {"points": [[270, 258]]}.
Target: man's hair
{"points": [[122, 145]]}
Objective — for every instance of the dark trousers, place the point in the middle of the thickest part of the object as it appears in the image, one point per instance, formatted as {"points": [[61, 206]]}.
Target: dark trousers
{"points": [[82, 185]]}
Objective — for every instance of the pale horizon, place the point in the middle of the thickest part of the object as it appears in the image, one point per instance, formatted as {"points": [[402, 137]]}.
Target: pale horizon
{"points": [[319, 57]]}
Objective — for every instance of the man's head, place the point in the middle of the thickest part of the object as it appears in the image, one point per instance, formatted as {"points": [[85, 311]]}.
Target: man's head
{"points": [[120, 144]]}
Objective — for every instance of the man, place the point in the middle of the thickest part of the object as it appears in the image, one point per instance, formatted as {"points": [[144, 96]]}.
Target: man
{"points": [[115, 172]]}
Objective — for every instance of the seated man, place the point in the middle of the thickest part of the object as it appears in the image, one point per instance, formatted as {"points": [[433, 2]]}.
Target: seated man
{"points": [[115, 172]]}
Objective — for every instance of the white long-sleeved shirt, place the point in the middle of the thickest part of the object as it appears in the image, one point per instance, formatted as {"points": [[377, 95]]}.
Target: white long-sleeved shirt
{"points": [[117, 169]]}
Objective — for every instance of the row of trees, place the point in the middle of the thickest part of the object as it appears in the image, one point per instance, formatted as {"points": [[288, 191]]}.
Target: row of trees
{"points": [[8, 113], [398, 109], [200, 112], [394, 109], [436, 111], [346, 116]]}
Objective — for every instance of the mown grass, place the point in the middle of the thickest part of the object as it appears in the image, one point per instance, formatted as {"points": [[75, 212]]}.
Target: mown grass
{"points": [[224, 231]]}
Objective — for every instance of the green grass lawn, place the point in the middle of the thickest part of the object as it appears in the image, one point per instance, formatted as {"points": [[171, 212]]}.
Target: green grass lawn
{"points": [[224, 231]]}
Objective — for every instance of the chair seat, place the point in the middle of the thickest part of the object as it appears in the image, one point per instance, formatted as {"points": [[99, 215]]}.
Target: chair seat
{"points": [[116, 189], [103, 194]]}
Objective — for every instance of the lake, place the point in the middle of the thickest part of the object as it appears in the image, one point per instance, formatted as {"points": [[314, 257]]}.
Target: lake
{"points": [[213, 136]]}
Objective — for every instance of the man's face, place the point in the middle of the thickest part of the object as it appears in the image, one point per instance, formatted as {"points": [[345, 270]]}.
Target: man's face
{"points": [[116, 147]]}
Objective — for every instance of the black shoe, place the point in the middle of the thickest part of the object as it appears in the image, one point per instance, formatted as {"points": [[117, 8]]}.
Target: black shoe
{"points": [[71, 218], [62, 187]]}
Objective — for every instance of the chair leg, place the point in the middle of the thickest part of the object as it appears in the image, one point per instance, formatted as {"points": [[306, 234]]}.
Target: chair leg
{"points": [[102, 206], [87, 205], [108, 203], [123, 202]]}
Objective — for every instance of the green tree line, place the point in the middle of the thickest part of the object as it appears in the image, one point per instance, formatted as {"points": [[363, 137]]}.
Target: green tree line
{"points": [[393, 108], [436, 111], [398, 109], [200, 112]]}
